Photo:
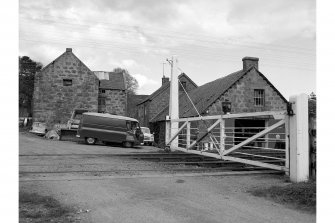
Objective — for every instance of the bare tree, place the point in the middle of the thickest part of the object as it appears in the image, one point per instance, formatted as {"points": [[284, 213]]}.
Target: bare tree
{"points": [[131, 82]]}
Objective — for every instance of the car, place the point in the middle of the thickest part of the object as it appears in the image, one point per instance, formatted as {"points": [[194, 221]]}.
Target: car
{"points": [[148, 137], [39, 128]]}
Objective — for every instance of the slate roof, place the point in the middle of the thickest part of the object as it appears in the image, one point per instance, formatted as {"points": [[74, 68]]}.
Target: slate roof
{"points": [[163, 87], [206, 95], [116, 81]]}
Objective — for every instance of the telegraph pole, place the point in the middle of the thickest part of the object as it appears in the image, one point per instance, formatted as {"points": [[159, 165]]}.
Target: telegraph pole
{"points": [[174, 101], [163, 69]]}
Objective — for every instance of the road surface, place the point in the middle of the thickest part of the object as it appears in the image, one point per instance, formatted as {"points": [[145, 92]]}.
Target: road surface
{"points": [[144, 196]]}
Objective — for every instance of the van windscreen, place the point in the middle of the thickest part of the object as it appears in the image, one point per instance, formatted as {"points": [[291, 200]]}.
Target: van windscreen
{"points": [[132, 125]]}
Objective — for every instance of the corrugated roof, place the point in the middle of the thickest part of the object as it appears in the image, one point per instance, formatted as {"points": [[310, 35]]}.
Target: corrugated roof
{"points": [[116, 81], [203, 96], [107, 115]]}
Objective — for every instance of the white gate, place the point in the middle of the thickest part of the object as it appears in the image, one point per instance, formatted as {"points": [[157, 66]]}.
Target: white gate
{"points": [[221, 137]]}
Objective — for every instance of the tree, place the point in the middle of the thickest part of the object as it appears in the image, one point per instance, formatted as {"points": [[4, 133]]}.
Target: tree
{"points": [[27, 70], [131, 82]]}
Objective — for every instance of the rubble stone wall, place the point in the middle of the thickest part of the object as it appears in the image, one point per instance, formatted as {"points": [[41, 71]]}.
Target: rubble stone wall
{"points": [[53, 101], [241, 96], [116, 102]]}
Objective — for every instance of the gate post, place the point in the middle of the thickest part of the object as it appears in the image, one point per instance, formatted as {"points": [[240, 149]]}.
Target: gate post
{"points": [[299, 142], [188, 134], [167, 129], [222, 135], [287, 145]]}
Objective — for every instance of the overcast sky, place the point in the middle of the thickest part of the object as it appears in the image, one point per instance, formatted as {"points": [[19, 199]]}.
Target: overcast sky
{"points": [[210, 38]]}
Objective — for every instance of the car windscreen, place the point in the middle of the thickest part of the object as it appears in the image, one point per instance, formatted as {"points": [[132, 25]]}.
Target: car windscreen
{"points": [[145, 130]]}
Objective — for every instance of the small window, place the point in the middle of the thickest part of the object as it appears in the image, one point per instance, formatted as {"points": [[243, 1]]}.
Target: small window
{"points": [[102, 91], [259, 97], [67, 82]]}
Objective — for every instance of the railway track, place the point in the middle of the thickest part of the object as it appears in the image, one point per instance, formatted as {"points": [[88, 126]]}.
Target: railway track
{"points": [[193, 162]]}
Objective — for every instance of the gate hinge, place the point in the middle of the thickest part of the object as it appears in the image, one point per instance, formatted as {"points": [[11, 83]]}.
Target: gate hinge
{"points": [[289, 109]]}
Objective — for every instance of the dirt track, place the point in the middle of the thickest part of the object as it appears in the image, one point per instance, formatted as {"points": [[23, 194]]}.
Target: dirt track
{"points": [[135, 196]]}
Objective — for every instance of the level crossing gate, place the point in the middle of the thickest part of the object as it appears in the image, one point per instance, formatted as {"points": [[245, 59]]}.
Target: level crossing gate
{"points": [[218, 136], [281, 143]]}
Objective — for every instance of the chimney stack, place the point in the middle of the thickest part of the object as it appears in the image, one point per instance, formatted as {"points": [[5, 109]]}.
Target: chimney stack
{"points": [[165, 80], [250, 62], [68, 49]]}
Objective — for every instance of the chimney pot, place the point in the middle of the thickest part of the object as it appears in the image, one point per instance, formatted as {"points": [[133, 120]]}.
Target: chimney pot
{"points": [[165, 80], [68, 49], [250, 62]]}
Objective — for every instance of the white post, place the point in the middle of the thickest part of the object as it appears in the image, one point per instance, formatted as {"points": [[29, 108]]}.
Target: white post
{"points": [[267, 135], [174, 101], [222, 135], [167, 129], [287, 144], [299, 141], [188, 134]]}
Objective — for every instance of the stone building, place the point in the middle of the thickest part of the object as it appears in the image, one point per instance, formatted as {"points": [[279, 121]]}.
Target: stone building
{"points": [[246, 90], [112, 96], [157, 101], [132, 101], [67, 84]]}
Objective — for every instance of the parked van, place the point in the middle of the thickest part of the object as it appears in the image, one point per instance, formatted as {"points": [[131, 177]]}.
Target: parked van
{"points": [[109, 128]]}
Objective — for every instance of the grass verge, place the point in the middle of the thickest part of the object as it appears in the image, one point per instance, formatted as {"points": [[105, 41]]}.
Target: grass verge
{"points": [[36, 208], [301, 196]]}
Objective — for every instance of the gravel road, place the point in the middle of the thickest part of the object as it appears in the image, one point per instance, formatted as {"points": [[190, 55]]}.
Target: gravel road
{"points": [[144, 196]]}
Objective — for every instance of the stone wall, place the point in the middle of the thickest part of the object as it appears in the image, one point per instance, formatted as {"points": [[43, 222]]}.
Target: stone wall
{"points": [[116, 102], [132, 101], [140, 114], [52, 101], [241, 96]]}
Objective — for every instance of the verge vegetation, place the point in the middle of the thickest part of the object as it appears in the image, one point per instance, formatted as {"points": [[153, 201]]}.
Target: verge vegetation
{"points": [[36, 208], [297, 195]]}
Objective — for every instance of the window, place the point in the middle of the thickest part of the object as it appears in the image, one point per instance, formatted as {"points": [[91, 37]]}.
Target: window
{"points": [[259, 97], [102, 91], [67, 82]]}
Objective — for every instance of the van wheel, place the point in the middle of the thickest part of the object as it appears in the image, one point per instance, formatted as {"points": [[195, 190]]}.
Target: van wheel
{"points": [[127, 144], [90, 141]]}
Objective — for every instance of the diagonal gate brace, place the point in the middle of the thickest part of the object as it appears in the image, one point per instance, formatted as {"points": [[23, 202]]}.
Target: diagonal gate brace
{"points": [[176, 134], [260, 134], [203, 136]]}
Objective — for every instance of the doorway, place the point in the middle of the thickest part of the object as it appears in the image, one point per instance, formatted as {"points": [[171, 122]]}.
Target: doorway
{"points": [[246, 128]]}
